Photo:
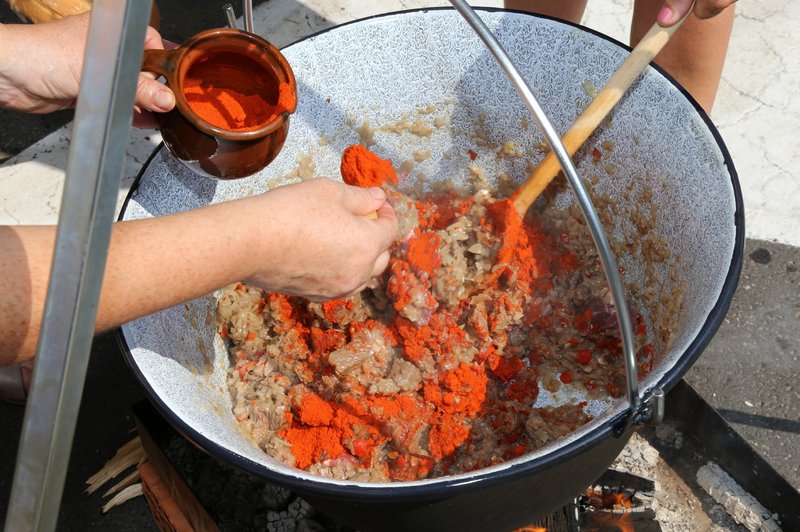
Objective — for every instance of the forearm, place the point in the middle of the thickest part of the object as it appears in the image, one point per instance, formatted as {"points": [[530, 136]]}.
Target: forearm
{"points": [[40, 68], [157, 263], [310, 239], [152, 264], [8, 60], [40, 64]]}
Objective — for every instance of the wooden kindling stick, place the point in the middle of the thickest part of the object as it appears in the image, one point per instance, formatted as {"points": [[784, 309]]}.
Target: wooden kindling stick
{"points": [[598, 109]]}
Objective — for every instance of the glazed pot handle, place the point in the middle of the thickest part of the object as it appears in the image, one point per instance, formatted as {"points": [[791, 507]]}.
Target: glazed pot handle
{"points": [[162, 62]]}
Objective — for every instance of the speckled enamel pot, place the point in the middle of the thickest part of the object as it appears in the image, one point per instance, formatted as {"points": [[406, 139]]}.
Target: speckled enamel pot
{"points": [[381, 69]]}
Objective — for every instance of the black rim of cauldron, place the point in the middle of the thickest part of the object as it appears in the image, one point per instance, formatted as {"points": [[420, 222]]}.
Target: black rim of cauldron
{"points": [[444, 487]]}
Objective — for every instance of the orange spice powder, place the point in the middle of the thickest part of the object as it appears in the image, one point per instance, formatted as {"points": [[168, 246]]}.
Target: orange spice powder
{"points": [[313, 410], [232, 110], [423, 251], [313, 444], [362, 168]]}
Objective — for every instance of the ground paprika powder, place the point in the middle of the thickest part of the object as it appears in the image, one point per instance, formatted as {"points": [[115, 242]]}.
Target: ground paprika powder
{"points": [[233, 110], [236, 93], [362, 168]]}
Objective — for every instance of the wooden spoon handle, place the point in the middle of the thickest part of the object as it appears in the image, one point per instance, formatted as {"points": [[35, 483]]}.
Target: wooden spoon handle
{"points": [[590, 118]]}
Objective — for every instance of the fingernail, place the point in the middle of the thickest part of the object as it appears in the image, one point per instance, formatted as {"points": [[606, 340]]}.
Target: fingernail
{"points": [[164, 99], [665, 16], [377, 192]]}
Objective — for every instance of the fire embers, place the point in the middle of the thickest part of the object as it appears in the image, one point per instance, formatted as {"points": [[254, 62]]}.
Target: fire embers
{"points": [[618, 501]]}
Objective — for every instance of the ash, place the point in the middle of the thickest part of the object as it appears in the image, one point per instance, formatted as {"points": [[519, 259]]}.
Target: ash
{"points": [[680, 505], [238, 501], [742, 506]]}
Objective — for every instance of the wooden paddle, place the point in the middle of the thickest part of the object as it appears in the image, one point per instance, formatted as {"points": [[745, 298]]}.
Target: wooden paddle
{"points": [[590, 118]]}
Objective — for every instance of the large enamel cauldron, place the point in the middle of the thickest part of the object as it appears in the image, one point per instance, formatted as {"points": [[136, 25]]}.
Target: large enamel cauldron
{"points": [[665, 157]]}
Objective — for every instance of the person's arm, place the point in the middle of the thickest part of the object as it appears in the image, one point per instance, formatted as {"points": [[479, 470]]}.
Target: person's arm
{"points": [[674, 10], [40, 68], [312, 239]]}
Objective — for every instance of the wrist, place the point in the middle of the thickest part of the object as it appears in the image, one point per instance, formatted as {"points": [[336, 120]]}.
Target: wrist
{"points": [[7, 52], [250, 244], [6, 48]]}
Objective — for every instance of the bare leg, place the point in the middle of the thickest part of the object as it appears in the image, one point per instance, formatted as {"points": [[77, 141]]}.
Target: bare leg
{"points": [[571, 10], [695, 54]]}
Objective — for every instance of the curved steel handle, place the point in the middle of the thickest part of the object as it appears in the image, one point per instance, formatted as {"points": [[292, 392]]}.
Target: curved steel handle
{"points": [[639, 410]]}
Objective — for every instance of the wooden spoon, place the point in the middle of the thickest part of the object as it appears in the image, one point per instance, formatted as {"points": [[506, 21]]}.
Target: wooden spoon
{"points": [[590, 118]]}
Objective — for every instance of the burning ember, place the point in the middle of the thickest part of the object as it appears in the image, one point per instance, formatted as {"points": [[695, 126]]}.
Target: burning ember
{"points": [[608, 501], [617, 502], [611, 510]]}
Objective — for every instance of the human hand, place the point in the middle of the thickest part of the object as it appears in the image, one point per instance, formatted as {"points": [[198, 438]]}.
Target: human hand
{"points": [[314, 238], [40, 68], [674, 10]]}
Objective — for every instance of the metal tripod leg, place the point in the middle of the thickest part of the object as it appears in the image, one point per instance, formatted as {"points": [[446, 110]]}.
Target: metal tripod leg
{"points": [[94, 168]]}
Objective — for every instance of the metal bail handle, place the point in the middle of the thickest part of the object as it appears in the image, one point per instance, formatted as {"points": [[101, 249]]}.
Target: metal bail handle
{"points": [[641, 410]]}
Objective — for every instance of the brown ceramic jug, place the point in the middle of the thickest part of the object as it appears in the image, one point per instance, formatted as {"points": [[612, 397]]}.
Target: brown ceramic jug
{"points": [[215, 128]]}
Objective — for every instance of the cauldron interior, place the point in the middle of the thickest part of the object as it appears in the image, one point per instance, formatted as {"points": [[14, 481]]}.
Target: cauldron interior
{"points": [[664, 159]]}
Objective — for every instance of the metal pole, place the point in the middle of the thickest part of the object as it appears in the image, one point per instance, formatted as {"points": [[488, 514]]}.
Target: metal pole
{"points": [[99, 138], [230, 16], [248, 15]]}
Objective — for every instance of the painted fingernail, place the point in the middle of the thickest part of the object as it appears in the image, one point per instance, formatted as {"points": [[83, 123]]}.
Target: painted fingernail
{"points": [[377, 192], [164, 99], [665, 16]]}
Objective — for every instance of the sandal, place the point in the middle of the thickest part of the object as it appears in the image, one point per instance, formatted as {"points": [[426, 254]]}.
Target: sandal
{"points": [[12, 388]]}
